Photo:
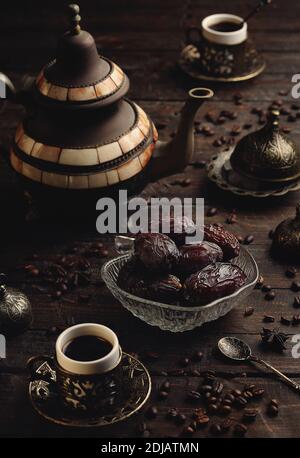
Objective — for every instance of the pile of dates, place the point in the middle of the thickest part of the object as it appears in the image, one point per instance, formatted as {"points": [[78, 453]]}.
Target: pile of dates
{"points": [[165, 270]]}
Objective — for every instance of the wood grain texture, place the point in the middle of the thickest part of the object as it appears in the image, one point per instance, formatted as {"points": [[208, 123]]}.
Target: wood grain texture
{"points": [[144, 38]]}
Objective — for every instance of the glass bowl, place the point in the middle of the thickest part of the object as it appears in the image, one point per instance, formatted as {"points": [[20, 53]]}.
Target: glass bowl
{"points": [[176, 318]]}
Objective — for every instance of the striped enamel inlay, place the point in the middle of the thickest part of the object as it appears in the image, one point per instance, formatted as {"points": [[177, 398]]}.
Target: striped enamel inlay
{"points": [[87, 156], [92, 181], [79, 94]]}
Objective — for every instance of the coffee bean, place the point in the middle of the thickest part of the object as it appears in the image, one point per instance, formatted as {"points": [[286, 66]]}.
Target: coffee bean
{"points": [[285, 321], [248, 239], [241, 402], [240, 430], [283, 92], [226, 424], [57, 294], [212, 400], [217, 388], [258, 392], [272, 410], [274, 402], [188, 431], [202, 420], [193, 396], [184, 362], [206, 388], [296, 320], [270, 296], [236, 393], [166, 386], [236, 130], [268, 319], [211, 211], [198, 356], [180, 419], [248, 311], [217, 143], [212, 408], [260, 282], [291, 272], [286, 130], [297, 302], [152, 412], [225, 409], [172, 414], [295, 286], [250, 415], [227, 402], [229, 397], [266, 288], [215, 429], [194, 373], [162, 395], [247, 394]]}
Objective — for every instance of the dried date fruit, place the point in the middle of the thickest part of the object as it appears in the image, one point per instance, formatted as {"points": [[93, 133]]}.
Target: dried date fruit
{"points": [[226, 240], [133, 278], [156, 251], [177, 228], [194, 257], [213, 282], [165, 289]]}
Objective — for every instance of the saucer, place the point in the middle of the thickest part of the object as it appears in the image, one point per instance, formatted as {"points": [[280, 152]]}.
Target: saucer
{"points": [[46, 402], [190, 63], [219, 171]]}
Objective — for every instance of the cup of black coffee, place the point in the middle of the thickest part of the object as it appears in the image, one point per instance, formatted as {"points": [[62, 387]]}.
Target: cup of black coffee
{"points": [[221, 43], [88, 369]]}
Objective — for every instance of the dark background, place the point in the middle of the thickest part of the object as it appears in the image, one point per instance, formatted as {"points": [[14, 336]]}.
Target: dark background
{"points": [[144, 37]]}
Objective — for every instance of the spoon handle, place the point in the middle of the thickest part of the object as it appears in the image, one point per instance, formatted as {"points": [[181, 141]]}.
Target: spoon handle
{"points": [[283, 377]]}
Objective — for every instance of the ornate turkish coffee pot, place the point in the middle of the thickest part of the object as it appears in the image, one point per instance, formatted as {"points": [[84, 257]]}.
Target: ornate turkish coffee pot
{"points": [[81, 136]]}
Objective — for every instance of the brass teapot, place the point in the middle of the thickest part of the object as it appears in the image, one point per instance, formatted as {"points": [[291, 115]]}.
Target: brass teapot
{"points": [[81, 137]]}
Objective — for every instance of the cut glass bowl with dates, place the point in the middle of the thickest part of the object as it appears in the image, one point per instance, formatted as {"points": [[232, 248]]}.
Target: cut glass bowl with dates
{"points": [[169, 317]]}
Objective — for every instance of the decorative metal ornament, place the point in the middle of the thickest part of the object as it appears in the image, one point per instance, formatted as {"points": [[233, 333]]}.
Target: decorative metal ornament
{"points": [[267, 155], [15, 310], [220, 172], [47, 403], [286, 238], [190, 62]]}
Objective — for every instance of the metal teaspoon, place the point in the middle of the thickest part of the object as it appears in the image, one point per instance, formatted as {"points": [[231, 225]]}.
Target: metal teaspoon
{"points": [[238, 350]]}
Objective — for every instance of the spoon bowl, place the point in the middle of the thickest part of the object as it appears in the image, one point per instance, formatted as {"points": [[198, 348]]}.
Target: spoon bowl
{"points": [[234, 348]]}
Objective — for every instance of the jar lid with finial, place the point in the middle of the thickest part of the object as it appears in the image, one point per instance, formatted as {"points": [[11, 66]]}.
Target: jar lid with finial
{"points": [[286, 238], [267, 155], [15, 310], [79, 76]]}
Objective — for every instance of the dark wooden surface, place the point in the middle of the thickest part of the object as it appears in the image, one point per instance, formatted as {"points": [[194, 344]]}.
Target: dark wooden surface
{"points": [[144, 37]]}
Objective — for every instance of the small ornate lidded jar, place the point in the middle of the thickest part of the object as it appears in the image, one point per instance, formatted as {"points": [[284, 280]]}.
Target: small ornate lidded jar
{"points": [[286, 238], [80, 133], [267, 155]]}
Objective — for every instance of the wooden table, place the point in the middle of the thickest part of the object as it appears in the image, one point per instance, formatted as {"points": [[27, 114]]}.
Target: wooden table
{"points": [[144, 37]]}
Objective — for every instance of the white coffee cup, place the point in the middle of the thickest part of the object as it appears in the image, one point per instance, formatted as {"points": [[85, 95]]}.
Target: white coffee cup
{"points": [[235, 37], [99, 366]]}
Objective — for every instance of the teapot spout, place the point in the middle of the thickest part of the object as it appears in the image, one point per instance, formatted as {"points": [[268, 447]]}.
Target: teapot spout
{"points": [[8, 90], [173, 156]]}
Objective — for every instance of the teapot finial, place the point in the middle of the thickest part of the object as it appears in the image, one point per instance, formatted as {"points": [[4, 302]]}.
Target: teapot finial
{"points": [[75, 18], [274, 118]]}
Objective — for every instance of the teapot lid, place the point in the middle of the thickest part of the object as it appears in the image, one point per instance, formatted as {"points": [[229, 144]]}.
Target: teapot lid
{"points": [[267, 155], [79, 75]]}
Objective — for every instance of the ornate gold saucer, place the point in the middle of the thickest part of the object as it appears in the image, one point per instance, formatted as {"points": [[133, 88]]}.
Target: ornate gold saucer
{"points": [[190, 63], [46, 402], [220, 172]]}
